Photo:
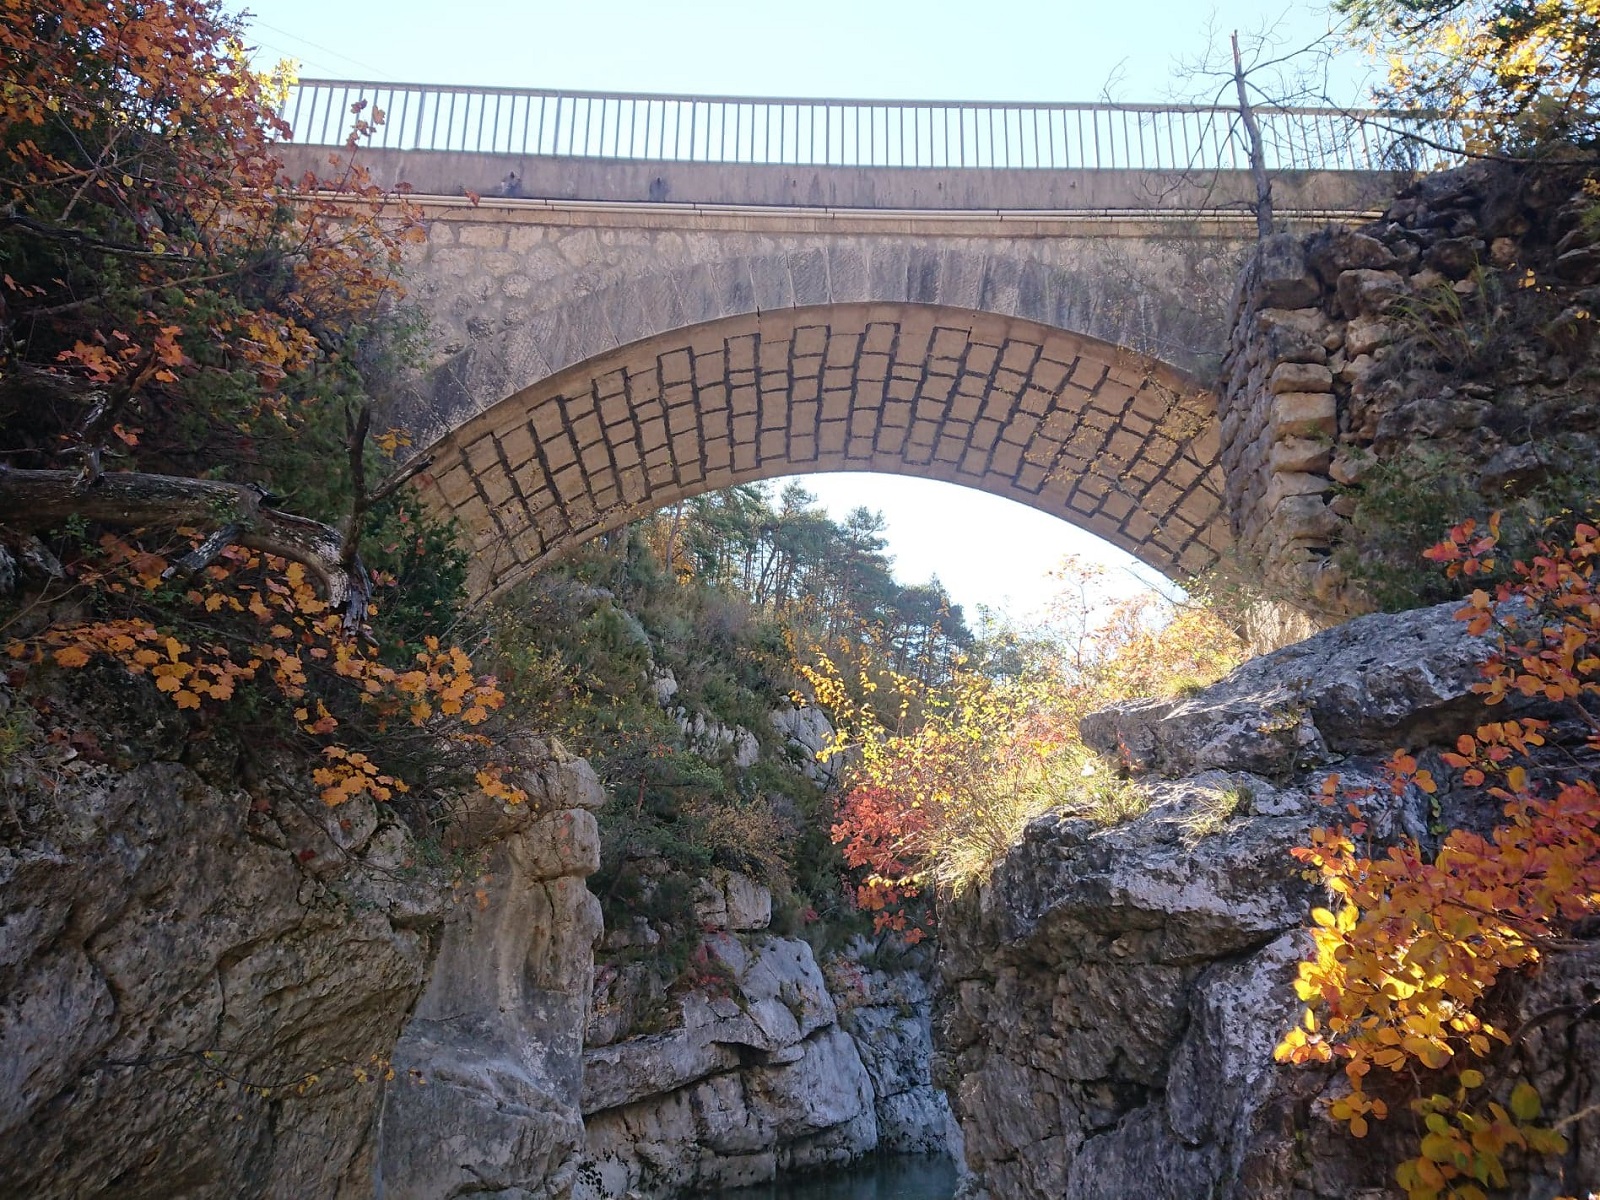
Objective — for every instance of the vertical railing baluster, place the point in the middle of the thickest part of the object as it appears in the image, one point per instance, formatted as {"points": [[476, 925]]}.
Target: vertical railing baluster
{"points": [[293, 120]]}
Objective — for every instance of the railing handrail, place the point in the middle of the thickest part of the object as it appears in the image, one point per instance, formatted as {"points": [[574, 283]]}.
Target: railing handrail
{"points": [[861, 102], [817, 131]]}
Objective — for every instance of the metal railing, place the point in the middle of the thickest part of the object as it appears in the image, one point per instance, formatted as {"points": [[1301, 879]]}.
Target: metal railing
{"points": [[856, 133]]}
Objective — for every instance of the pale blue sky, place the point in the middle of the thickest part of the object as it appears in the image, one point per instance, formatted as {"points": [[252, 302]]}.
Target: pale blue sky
{"points": [[986, 550]]}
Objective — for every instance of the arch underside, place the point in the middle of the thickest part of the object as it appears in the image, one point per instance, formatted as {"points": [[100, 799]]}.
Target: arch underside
{"points": [[1112, 441]]}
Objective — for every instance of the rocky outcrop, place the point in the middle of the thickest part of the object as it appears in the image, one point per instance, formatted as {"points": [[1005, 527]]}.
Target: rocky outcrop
{"points": [[889, 1014], [497, 1035], [1113, 995], [808, 734], [212, 985], [766, 1066], [754, 1077]]}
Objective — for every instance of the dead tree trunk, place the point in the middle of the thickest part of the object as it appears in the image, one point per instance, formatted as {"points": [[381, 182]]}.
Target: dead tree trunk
{"points": [[241, 515], [1258, 154]]}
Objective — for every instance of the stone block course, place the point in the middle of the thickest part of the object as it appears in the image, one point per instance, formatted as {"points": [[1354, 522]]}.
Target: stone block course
{"points": [[1304, 414]]}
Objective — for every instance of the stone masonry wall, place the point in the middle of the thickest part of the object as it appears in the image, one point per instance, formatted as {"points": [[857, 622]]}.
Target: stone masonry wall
{"points": [[1418, 332]]}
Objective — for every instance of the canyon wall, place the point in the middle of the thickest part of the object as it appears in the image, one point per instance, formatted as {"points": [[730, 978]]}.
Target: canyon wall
{"points": [[1112, 997]]}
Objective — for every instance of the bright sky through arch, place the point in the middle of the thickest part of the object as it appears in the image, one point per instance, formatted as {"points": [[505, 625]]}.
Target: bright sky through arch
{"points": [[986, 550]]}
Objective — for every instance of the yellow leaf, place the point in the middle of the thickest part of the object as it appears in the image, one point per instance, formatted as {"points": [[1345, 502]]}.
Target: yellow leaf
{"points": [[1525, 1101]]}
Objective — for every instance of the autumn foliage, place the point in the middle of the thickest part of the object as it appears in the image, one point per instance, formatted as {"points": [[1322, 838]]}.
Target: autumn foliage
{"points": [[254, 619], [175, 308], [942, 779], [160, 262], [1407, 954]]}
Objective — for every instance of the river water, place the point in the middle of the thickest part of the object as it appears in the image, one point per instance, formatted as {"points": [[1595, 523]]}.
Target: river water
{"points": [[890, 1177]]}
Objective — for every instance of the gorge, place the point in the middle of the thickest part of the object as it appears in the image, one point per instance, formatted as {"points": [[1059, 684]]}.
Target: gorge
{"points": [[436, 763]]}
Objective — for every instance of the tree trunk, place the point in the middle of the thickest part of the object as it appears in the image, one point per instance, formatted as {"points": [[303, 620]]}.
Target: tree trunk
{"points": [[32, 500], [1258, 154]]}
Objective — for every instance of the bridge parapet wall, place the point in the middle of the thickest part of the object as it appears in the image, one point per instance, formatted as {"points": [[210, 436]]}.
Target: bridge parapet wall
{"points": [[946, 189]]}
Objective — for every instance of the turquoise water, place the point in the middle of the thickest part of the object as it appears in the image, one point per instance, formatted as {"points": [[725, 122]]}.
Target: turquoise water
{"points": [[898, 1177]]}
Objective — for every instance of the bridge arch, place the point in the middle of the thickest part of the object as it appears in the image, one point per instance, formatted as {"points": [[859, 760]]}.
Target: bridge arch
{"points": [[1116, 442]]}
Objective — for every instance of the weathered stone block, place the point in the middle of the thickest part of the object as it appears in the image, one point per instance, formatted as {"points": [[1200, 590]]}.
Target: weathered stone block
{"points": [[1300, 454], [1304, 414], [1295, 483], [1369, 292], [1454, 258], [1363, 335], [1300, 377], [1339, 248], [1280, 274]]}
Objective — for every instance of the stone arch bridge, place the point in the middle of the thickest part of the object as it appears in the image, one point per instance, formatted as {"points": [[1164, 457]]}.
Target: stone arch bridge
{"points": [[637, 299]]}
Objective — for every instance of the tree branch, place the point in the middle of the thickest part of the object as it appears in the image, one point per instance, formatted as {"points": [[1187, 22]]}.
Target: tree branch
{"points": [[38, 499], [88, 241]]}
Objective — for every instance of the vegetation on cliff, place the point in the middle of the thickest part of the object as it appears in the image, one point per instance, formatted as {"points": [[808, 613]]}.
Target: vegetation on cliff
{"points": [[662, 652], [194, 350], [1417, 938], [933, 803]]}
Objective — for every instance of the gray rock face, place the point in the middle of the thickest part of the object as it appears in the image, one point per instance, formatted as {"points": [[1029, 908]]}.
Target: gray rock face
{"points": [[781, 1074], [497, 1036], [1112, 998], [729, 900], [808, 732], [890, 1020], [164, 941], [203, 987], [749, 1083], [1364, 687]]}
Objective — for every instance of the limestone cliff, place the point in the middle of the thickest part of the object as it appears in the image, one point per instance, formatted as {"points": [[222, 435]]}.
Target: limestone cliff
{"points": [[1113, 996], [206, 977], [767, 1066]]}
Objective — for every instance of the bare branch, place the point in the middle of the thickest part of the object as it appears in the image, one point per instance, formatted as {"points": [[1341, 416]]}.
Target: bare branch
{"points": [[400, 478]]}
